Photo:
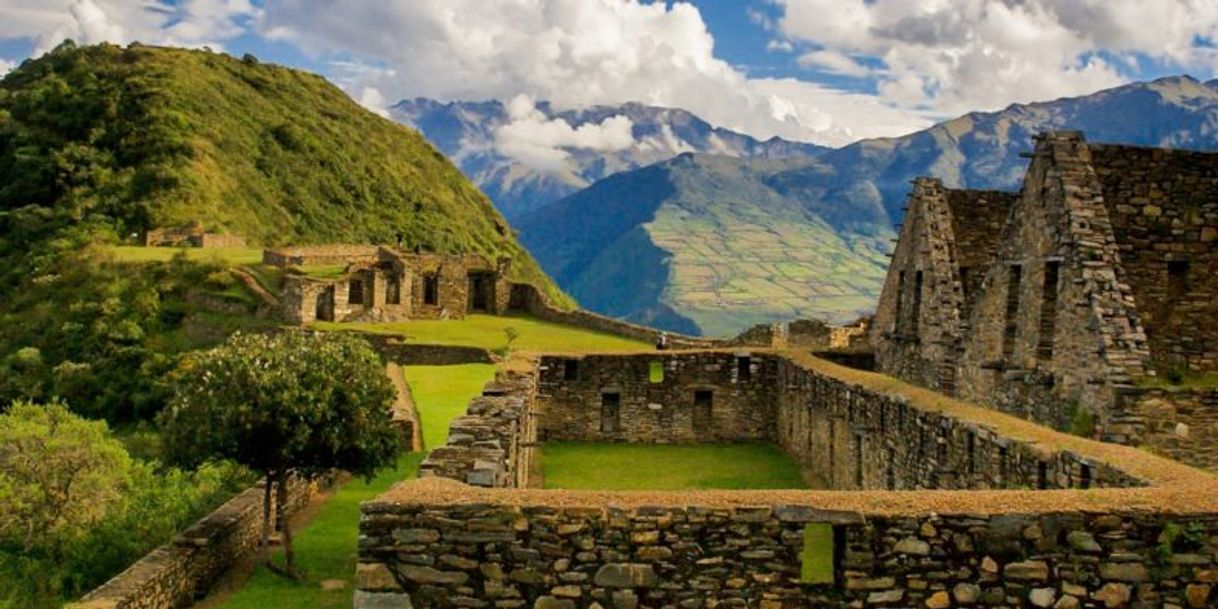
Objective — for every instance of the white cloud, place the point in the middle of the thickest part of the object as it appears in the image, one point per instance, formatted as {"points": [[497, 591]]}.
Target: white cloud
{"points": [[573, 53], [190, 23], [834, 63], [6, 66], [372, 99], [779, 46], [966, 55], [540, 142]]}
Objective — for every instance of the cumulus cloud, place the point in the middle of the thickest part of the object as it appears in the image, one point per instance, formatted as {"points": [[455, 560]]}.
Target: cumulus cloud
{"points": [[537, 141], [977, 54], [372, 99], [575, 53], [6, 66], [190, 23]]}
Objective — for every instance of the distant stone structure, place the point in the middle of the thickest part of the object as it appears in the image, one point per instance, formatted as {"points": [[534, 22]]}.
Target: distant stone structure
{"points": [[1054, 302], [192, 234], [388, 284]]}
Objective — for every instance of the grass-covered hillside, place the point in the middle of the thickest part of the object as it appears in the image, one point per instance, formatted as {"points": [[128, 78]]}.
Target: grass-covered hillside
{"points": [[99, 143], [139, 137]]}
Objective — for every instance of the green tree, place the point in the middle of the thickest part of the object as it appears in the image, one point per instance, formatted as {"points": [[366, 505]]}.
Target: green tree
{"points": [[59, 473], [290, 405]]}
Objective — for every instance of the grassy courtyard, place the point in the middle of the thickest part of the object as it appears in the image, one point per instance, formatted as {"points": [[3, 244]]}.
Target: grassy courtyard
{"points": [[487, 332], [603, 466], [326, 546], [229, 255]]}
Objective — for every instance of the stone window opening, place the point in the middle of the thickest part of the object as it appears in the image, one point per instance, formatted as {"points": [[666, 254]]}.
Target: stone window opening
{"points": [[1042, 475], [1048, 311], [704, 403], [890, 474], [1002, 465], [355, 291], [971, 465], [1011, 321], [393, 290], [965, 292], [611, 411], [858, 460], [915, 315], [1177, 279], [431, 289], [822, 554], [744, 368], [655, 372], [570, 370], [897, 315], [1084, 476]]}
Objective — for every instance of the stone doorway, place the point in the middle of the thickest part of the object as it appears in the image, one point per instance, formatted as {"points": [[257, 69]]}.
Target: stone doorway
{"points": [[324, 307], [481, 292]]}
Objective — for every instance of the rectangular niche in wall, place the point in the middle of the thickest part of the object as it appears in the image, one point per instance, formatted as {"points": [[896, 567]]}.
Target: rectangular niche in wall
{"points": [[1010, 330], [570, 370], [744, 368], [431, 290], [355, 292], [393, 291], [1048, 311], [704, 400], [611, 411]]}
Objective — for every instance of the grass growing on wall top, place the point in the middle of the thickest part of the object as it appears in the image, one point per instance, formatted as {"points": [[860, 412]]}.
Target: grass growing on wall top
{"points": [[672, 467], [487, 332], [229, 255]]}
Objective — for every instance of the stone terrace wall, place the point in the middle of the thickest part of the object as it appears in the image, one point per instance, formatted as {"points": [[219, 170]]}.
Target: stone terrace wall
{"points": [[1182, 424], [527, 298], [494, 443], [320, 254], [658, 409], [1163, 205], [176, 574], [857, 439], [683, 554]]}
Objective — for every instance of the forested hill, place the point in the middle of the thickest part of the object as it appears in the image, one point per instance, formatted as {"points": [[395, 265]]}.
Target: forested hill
{"points": [[124, 139]]}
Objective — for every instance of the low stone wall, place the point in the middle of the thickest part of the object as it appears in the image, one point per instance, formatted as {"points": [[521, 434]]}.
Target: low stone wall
{"points": [[494, 443], [1182, 424], [529, 299], [178, 573], [217, 240], [396, 350], [320, 254], [662, 397], [420, 551]]}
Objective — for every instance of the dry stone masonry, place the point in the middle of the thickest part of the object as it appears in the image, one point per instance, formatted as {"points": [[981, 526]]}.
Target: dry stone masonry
{"points": [[1125, 529], [1057, 303]]}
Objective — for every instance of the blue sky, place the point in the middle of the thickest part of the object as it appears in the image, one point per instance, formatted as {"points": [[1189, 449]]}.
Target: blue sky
{"points": [[828, 71]]}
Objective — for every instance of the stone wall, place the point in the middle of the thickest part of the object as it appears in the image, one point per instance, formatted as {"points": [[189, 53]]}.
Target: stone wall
{"points": [[1182, 424], [178, 573], [491, 551], [338, 254], [1055, 330], [845, 436], [528, 298], [494, 443], [394, 349], [665, 397], [1163, 205]]}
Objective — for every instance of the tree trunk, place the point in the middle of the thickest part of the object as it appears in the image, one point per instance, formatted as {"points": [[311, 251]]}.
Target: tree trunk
{"points": [[285, 527], [265, 544]]}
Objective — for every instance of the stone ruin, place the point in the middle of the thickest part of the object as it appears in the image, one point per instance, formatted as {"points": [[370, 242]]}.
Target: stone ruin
{"points": [[1060, 302], [388, 284], [928, 502], [192, 234]]}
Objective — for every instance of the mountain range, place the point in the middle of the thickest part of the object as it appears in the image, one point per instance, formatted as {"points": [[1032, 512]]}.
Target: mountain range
{"points": [[713, 243]]}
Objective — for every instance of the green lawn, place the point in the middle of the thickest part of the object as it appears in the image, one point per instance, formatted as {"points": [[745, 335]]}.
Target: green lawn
{"points": [[603, 466], [230, 255], [442, 393], [487, 331], [326, 547]]}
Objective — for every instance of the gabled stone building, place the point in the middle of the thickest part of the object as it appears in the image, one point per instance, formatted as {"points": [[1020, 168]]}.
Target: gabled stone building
{"points": [[388, 284], [1053, 302]]}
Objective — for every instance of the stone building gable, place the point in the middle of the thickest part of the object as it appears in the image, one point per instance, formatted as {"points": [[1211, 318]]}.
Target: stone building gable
{"points": [[1163, 207], [1055, 327], [924, 303]]}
